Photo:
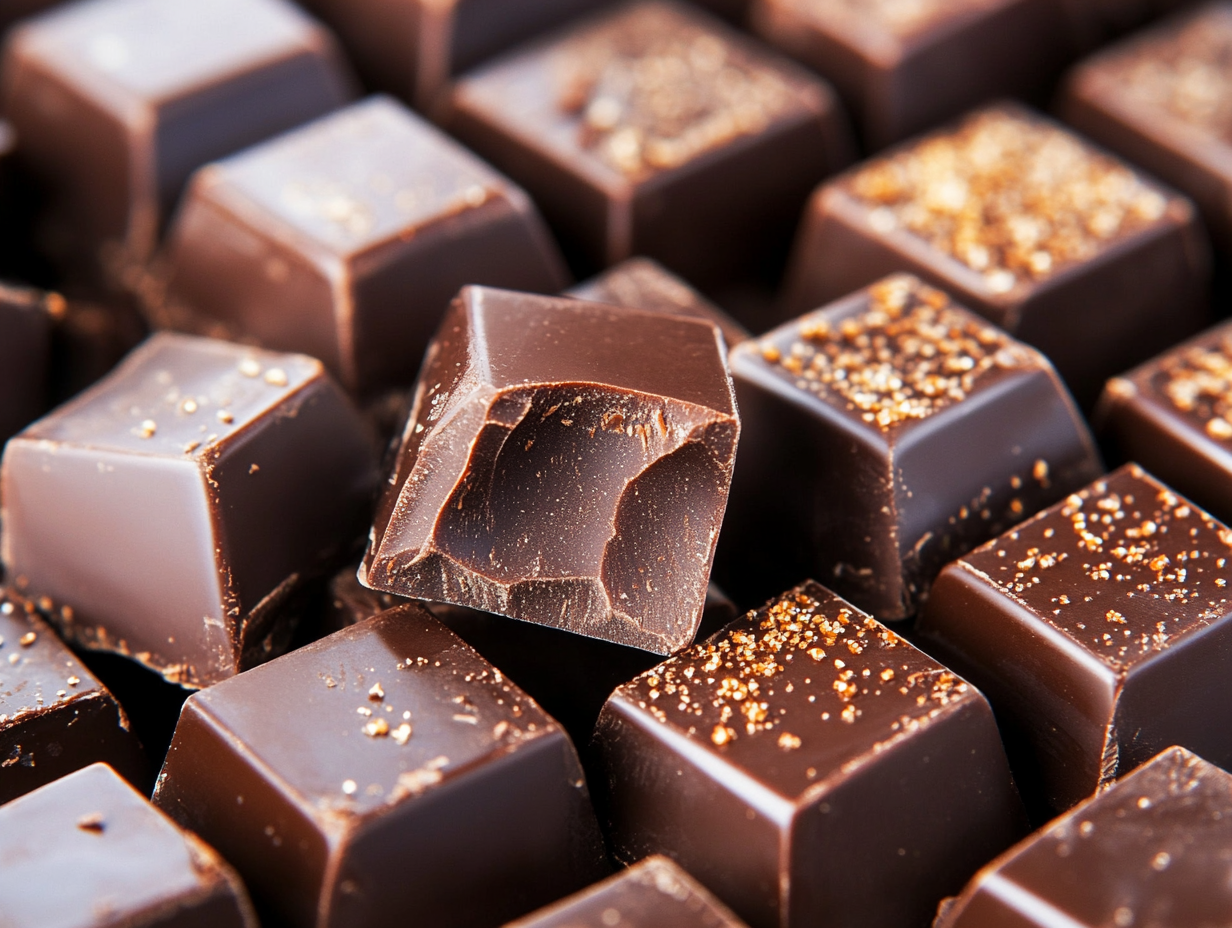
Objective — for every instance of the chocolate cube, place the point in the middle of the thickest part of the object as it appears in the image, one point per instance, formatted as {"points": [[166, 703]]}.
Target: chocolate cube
{"points": [[565, 463], [387, 769], [1101, 631], [177, 506], [810, 767], [347, 238], [885, 435]]}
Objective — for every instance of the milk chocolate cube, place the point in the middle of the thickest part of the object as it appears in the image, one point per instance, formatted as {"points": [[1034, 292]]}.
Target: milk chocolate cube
{"points": [[1100, 632], [901, 67], [1163, 100], [1152, 850], [565, 463], [88, 850], [55, 716], [117, 102], [885, 435], [25, 358], [172, 510], [1059, 244], [387, 769], [655, 130], [347, 238], [810, 767]]}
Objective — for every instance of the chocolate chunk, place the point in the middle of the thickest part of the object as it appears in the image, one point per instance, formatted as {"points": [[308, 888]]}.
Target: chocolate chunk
{"points": [[856, 462], [804, 760], [25, 358], [117, 102], [387, 769], [645, 284], [1063, 246], [903, 67], [1163, 100], [566, 463], [55, 716], [87, 851], [1152, 850], [177, 507], [414, 47], [630, 143], [347, 238], [652, 894], [1099, 631]]}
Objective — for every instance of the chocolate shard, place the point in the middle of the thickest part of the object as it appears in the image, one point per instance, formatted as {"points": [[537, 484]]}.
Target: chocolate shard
{"points": [[1100, 631], [383, 770], [1151, 850], [566, 463], [802, 761], [854, 463], [87, 851], [202, 87], [178, 506], [55, 716], [1058, 243], [347, 238], [654, 893], [25, 358]]}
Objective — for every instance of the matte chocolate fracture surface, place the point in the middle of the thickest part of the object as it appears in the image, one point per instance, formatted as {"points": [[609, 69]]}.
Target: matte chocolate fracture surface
{"points": [[804, 761], [565, 463], [172, 512]]}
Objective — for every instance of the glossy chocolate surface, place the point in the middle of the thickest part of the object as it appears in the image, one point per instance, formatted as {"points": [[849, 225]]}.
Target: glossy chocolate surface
{"points": [[179, 504], [884, 436], [1056, 242], [1100, 632], [802, 761], [566, 463], [1155, 849], [117, 861], [55, 716], [654, 893], [346, 239], [620, 131], [348, 782], [25, 358]]}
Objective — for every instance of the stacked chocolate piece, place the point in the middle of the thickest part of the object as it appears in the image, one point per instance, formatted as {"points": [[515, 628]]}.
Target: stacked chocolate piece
{"points": [[360, 566]]}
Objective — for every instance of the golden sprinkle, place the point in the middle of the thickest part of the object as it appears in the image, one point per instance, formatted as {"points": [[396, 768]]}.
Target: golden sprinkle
{"points": [[349, 787], [225, 417], [27, 639], [401, 734], [188, 406], [92, 821], [722, 735], [376, 693], [73, 681], [250, 368], [276, 377], [789, 742], [147, 428], [377, 728]]}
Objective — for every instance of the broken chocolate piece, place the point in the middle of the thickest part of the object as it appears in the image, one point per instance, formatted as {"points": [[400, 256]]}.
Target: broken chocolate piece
{"points": [[55, 716], [178, 506], [88, 851], [25, 358], [348, 781], [804, 760], [1059, 244], [1100, 631], [854, 463], [1153, 850], [566, 463], [346, 239], [625, 135]]}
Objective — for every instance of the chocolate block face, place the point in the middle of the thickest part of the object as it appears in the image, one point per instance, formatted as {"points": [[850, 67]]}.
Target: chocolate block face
{"points": [[178, 504], [1100, 632], [55, 717], [88, 850], [25, 358], [346, 781], [654, 893], [346, 240], [1163, 100], [565, 463], [117, 102], [624, 137], [641, 283], [1057, 243], [413, 47], [806, 740], [859, 459], [1152, 850], [904, 65]]}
